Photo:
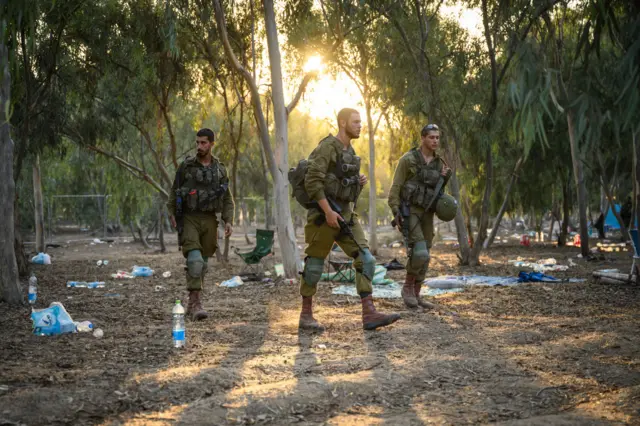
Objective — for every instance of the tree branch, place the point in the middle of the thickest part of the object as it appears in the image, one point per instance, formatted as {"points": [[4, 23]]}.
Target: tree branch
{"points": [[303, 85], [263, 131], [136, 171]]}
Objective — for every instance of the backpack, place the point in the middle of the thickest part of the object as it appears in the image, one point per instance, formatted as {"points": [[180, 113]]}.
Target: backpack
{"points": [[296, 177]]}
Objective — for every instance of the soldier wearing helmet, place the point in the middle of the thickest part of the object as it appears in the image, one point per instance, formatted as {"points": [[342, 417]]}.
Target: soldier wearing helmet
{"points": [[415, 196]]}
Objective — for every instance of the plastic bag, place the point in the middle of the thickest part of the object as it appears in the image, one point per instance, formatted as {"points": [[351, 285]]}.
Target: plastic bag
{"points": [[52, 321], [41, 259], [141, 271]]}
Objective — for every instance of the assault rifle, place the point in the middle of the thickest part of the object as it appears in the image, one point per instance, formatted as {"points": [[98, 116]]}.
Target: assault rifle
{"points": [[345, 228]]}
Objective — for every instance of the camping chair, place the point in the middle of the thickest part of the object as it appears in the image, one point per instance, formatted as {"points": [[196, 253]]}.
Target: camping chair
{"points": [[255, 259], [635, 242], [340, 266]]}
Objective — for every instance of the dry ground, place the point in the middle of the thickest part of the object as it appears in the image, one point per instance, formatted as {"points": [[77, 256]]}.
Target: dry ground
{"points": [[535, 354]]}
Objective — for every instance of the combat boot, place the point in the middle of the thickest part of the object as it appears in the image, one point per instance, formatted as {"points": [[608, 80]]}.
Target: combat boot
{"points": [[194, 308], [307, 321], [426, 305], [408, 292], [371, 319]]}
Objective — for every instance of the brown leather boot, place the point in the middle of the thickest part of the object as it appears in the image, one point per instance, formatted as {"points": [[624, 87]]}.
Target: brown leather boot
{"points": [[426, 305], [307, 321], [408, 292], [194, 307], [371, 319]]}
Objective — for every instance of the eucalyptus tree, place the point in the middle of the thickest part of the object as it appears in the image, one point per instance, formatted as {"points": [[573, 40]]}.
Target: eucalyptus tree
{"points": [[278, 160], [578, 69]]}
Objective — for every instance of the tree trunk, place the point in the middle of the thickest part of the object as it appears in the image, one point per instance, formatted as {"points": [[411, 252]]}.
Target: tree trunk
{"points": [[373, 214], [38, 206], [636, 175], [562, 238], [163, 247], [474, 258], [505, 203], [578, 172], [21, 257], [467, 211], [143, 240], [461, 230], [11, 290], [284, 224]]}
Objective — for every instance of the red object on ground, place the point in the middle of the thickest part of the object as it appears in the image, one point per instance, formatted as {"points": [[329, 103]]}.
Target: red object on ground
{"points": [[577, 242], [525, 241]]}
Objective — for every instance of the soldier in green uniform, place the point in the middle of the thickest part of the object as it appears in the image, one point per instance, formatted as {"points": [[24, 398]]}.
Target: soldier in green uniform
{"points": [[412, 192], [200, 190], [334, 174]]}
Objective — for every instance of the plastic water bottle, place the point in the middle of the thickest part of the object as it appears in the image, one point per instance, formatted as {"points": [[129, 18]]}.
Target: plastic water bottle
{"points": [[33, 289], [84, 326], [178, 325], [84, 284]]}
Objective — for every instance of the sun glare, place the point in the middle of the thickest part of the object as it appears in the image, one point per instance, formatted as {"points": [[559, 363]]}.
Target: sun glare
{"points": [[314, 63]]}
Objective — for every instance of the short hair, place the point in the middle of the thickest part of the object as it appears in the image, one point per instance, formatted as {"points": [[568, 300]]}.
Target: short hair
{"points": [[429, 127], [208, 133], [345, 113]]}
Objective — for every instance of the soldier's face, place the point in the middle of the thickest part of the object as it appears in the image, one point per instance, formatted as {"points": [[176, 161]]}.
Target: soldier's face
{"points": [[431, 140], [353, 126], [203, 146]]}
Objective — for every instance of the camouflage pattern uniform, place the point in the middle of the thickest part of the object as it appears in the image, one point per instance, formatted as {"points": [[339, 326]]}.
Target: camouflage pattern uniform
{"points": [[414, 182]]}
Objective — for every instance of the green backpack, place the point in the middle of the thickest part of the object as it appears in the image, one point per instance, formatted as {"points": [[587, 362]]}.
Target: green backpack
{"points": [[296, 180]]}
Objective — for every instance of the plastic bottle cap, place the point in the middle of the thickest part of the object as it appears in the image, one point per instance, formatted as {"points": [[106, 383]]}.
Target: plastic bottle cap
{"points": [[177, 302]]}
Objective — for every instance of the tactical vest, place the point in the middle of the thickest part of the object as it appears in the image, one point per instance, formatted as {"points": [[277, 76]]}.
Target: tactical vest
{"points": [[203, 188], [420, 188], [343, 182]]}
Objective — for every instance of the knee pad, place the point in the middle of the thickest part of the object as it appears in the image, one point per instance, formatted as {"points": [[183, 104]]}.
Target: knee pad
{"points": [[368, 264], [420, 255], [195, 264], [313, 268]]}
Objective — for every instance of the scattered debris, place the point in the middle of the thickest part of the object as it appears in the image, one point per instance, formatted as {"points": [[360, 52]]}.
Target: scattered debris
{"points": [[41, 259], [166, 274], [233, 282]]}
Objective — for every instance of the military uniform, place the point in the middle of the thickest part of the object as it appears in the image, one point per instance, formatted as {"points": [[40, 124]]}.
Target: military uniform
{"points": [[204, 192], [334, 173], [414, 183]]}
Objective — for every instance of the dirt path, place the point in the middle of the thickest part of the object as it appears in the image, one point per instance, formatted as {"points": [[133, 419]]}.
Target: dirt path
{"points": [[541, 354]]}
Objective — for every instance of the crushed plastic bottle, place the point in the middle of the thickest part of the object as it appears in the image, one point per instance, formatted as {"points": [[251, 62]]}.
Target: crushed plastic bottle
{"points": [[178, 330], [33, 289], [83, 326], [84, 284]]}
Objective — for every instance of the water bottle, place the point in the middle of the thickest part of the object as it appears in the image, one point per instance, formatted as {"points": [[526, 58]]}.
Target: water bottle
{"points": [[33, 289], [84, 326], [178, 325], [84, 284]]}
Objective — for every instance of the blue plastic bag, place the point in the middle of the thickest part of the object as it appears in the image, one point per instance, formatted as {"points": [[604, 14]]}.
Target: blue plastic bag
{"points": [[41, 259], [535, 277], [52, 321], [142, 271]]}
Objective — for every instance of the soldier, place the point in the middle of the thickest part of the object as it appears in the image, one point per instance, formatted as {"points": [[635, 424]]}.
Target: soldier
{"points": [[412, 202], [200, 190], [334, 177]]}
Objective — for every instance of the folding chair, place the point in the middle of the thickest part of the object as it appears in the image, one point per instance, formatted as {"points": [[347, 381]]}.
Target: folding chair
{"points": [[340, 266], [635, 242], [255, 259]]}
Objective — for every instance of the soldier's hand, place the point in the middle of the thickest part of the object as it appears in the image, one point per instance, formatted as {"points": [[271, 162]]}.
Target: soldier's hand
{"points": [[333, 218], [363, 180], [228, 230], [172, 219], [399, 221], [445, 171]]}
